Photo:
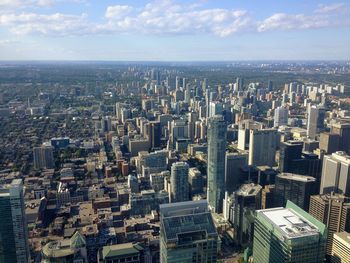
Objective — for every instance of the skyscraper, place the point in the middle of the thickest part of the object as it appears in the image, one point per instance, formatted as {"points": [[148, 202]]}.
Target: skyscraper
{"points": [[233, 175], [187, 233], [315, 120], [217, 130], [289, 151], [329, 142], [288, 235], [262, 147], [155, 134], [336, 174], [43, 157], [341, 248], [343, 130], [294, 187], [281, 116], [246, 201], [13, 227], [334, 211], [179, 182]]}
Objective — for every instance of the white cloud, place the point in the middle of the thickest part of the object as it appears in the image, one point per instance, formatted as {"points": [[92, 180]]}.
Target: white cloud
{"points": [[163, 17], [323, 16], [333, 8], [118, 11], [54, 24]]}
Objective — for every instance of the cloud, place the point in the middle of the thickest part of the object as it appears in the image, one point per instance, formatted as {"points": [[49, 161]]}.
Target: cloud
{"points": [[55, 24], [324, 16], [337, 7], [118, 11], [22, 4], [165, 17]]}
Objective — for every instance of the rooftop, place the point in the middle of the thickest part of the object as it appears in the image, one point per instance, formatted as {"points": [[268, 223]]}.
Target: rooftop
{"points": [[249, 189], [186, 217], [120, 250], [297, 177], [289, 223]]}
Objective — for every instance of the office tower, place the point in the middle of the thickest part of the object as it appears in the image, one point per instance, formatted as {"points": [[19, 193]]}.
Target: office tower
{"points": [[343, 130], [281, 116], [143, 203], [177, 82], [216, 162], [266, 175], [192, 119], [310, 145], [178, 130], [289, 151], [315, 121], [215, 108], [267, 194], [179, 182], [235, 163], [246, 201], [336, 173], [341, 248], [334, 211], [43, 157], [329, 142], [294, 187], [195, 180], [288, 235], [239, 83], [155, 134], [187, 233], [262, 147], [13, 227]]}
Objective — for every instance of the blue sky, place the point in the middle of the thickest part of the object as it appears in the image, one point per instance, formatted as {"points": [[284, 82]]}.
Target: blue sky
{"points": [[170, 30]]}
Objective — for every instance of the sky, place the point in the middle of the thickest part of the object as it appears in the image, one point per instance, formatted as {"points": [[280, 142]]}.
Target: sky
{"points": [[174, 30]]}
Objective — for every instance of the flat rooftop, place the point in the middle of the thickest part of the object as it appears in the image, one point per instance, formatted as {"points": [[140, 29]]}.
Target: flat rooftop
{"points": [[289, 223], [297, 177], [249, 190]]}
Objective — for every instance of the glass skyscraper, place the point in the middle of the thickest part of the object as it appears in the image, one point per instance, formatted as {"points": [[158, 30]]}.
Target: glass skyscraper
{"points": [[187, 233], [13, 228], [287, 235], [217, 130]]}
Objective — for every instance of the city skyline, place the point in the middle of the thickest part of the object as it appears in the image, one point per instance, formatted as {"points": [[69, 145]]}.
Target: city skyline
{"points": [[168, 30]]}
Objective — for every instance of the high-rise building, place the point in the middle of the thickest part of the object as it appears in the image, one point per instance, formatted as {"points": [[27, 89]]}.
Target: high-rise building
{"points": [[195, 179], [187, 233], [155, 134], [289, 151], [288, 235], [246, 201], [281, 116], [217, 130], [334, 211], [294, 187], [267, 194], [315, 120], [179, 182], [343, 130], [336, 174], [13, 227], [262, 147], [235, 162], [329, 142], [43, 157], [341, 248]]}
